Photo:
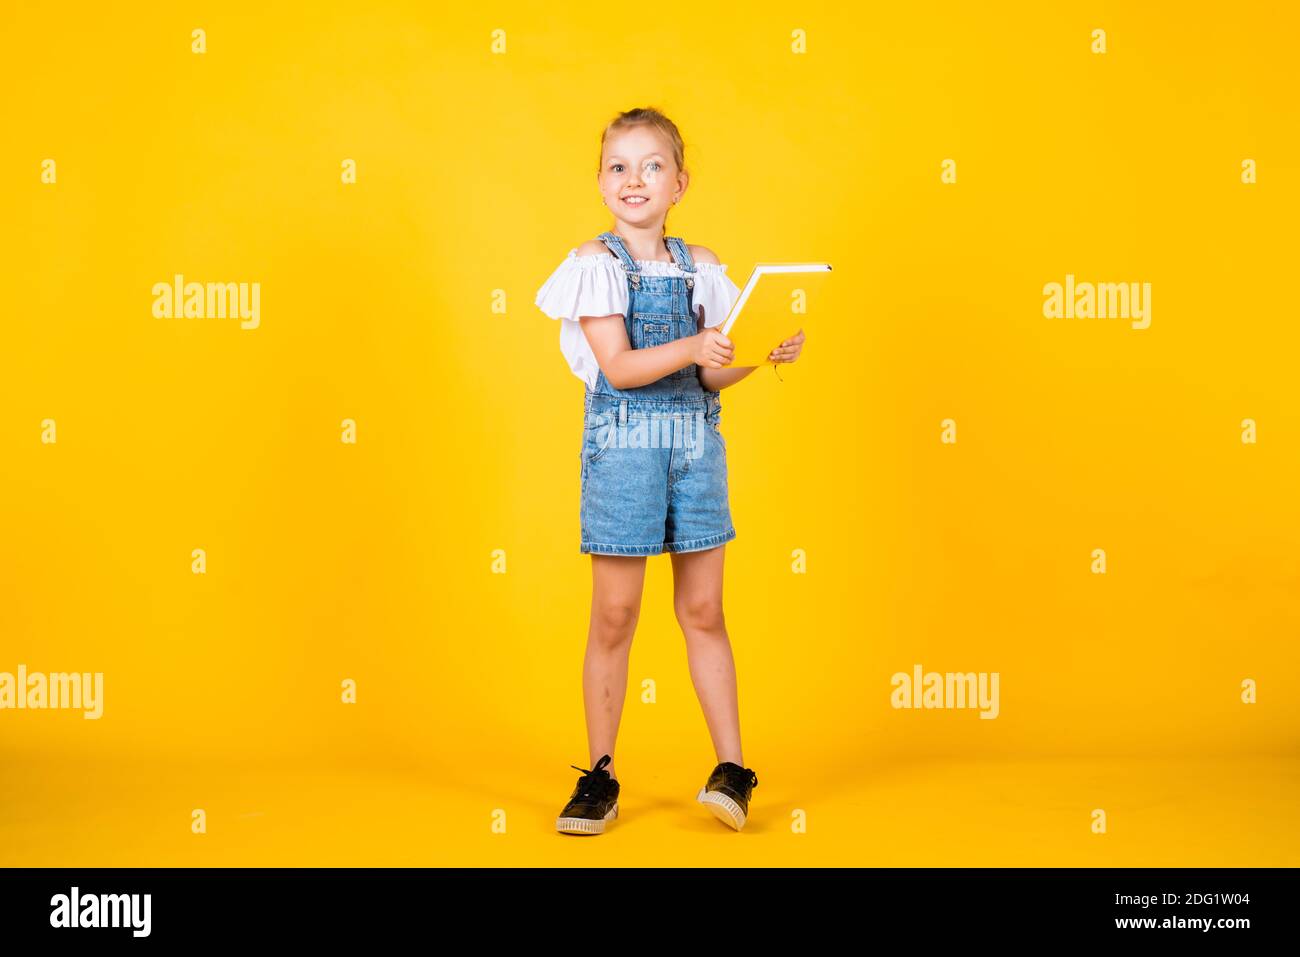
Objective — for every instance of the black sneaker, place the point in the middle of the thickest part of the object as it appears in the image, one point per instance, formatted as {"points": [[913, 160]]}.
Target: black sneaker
{"points": [[593, 802], [727, 793]]}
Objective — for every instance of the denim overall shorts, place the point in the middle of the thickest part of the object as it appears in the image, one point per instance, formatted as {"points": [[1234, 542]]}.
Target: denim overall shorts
{"points": [[654, 463]]}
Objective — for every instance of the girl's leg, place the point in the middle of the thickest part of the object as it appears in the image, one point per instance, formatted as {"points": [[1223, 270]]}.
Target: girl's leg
{"points": [[616, 582], [697, 599]]}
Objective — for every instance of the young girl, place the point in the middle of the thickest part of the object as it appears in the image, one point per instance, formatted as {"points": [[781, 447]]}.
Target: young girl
{"points": [[638, 307]]}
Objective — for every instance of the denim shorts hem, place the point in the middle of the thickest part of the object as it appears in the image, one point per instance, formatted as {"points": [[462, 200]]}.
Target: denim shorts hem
{"points": [[700, 544], [598, 548]]}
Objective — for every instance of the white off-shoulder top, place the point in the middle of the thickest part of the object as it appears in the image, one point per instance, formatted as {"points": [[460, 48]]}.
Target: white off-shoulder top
{"points": [[596, 285]]}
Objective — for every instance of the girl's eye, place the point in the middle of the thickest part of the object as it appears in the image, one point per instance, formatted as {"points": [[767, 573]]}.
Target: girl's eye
{"points": [[654, 163], [616, 166]]}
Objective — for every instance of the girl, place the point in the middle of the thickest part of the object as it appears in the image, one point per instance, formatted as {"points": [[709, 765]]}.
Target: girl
{"points": [[638, 307]]}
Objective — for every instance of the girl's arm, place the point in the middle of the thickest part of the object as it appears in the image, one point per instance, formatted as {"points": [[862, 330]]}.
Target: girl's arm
{"points": [[627, 368], [715, 380]]}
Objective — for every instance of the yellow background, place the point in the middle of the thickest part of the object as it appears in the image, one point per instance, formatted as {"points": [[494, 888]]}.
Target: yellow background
{"points": [[373, 562]]}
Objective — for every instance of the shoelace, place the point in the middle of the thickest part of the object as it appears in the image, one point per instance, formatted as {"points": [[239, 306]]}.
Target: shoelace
{"points": [[591, 781], [740, 778]]}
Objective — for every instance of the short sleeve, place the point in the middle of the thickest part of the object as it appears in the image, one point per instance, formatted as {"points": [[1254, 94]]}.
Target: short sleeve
{"points": [[584, 286], [715, 291]]}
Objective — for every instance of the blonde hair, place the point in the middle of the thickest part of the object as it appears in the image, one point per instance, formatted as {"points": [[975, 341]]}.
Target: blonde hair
{"points": [[645, 116]]}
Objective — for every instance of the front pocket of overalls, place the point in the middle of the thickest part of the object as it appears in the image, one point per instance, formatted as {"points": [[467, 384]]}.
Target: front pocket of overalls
{"points": [[654, 331], [597, 435]]}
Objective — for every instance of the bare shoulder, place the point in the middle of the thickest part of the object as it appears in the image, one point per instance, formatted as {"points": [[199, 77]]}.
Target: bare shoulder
{"points": [[703, 254], [593, 247]]}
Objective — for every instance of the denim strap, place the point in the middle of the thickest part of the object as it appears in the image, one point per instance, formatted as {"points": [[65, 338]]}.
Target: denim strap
{"points": [[615, 244]]}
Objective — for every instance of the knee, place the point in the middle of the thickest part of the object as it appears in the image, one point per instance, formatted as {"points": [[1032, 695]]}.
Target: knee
{"points": [[614, 621], [700, 615]]}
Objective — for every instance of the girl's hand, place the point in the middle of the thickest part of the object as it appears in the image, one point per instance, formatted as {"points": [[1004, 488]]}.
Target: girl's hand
{"points": [[789, 350], [712, 349]]}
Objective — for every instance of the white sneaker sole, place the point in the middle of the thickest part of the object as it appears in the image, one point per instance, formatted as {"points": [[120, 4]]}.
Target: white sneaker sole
{"points": [[724, 808], [585, 825]]}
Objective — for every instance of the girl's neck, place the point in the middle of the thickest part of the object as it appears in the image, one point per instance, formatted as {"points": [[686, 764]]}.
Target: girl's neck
{"points": [[640, 242]]}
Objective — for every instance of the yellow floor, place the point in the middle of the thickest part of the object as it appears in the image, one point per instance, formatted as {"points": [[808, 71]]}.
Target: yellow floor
{"points": [[1237, 811]]}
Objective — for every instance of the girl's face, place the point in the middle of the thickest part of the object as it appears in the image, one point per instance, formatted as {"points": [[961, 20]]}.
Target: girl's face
{"points": [[638, 162]]}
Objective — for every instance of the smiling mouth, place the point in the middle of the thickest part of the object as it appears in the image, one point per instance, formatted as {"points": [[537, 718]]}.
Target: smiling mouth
{"points": [[636, 200]]}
